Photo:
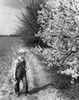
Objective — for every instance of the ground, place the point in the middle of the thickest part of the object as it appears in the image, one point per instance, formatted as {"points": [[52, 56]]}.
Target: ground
{"points": [[43, 85]]}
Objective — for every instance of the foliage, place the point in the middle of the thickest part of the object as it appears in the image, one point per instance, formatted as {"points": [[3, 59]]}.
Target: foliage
{"points": [[59, 28], [29, 26]]}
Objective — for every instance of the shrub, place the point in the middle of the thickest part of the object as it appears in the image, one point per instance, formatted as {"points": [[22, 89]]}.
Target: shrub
{"points": [[59, 28], [29, 26]]}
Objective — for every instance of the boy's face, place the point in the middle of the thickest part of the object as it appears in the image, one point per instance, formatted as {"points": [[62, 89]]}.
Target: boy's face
{"points": [[22, 56]]}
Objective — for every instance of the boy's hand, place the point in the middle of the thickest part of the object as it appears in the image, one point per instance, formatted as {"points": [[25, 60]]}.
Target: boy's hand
{"points": [[14, 79]]}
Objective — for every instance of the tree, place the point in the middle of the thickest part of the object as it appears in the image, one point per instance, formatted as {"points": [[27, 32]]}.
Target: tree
{"points": [[29, 26], [59, 28]]}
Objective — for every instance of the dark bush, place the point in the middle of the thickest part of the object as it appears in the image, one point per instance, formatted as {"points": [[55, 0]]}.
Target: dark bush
{"points": [[29, 26]]}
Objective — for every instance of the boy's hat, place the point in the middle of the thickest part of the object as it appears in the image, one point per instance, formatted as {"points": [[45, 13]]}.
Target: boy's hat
{"points": [[21, 51]]}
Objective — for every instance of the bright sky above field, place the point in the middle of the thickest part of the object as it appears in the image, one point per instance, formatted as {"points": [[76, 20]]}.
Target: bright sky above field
{"points": [[8, 11]]}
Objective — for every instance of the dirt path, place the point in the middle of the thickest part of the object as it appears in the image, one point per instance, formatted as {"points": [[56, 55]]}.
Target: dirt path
{"points": [[39, 84], [50, 93], [36, 79]]}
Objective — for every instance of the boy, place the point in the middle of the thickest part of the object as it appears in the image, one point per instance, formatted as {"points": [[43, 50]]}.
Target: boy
{"points": [[20, 73]]}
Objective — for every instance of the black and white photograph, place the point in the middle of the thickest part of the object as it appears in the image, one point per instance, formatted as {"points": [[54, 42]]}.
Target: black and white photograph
{"points": [[39, 49]]}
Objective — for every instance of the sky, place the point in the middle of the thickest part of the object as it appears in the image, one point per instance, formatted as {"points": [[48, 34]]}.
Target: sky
{"points": [[11, 3], [9, 10]]}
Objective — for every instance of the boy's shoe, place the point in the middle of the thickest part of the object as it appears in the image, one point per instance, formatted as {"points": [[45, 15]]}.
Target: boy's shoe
{"points": [[25, 93], [18, 94]]}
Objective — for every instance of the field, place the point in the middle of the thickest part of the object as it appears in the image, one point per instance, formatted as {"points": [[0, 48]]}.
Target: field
{"points": [[7, 47], [6, 43]]}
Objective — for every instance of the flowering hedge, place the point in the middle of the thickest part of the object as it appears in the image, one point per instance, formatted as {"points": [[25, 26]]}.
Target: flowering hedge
{"points": [[59, 29]]}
